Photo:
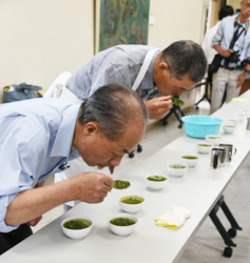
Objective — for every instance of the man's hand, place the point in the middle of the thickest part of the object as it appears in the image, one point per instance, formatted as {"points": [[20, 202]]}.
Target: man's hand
{"points": [[223, 52], [91, 187], [226, 53], [158, 106], [241, 79]]}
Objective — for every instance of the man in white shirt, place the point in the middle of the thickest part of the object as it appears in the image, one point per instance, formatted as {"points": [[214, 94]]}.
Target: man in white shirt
{"points": [[232, 42], [206, 44], [211, 52]]}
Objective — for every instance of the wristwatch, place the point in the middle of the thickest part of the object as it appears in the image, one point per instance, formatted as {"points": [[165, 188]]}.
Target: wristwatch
{"points": [[248, 71]]}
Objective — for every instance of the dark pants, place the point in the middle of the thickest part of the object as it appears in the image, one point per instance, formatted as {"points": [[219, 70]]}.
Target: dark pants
{"points": [[9, 240]]}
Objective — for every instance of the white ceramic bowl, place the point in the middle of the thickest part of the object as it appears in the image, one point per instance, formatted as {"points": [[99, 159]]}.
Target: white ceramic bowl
{"points": [[129, 203], [177, 169], [123, 230], [236, 117], [204, 147], [232, 121], [240, 116], [156, 184], [214, 139], [246, 105], [76, 233], [228, 128], [190, 159]]}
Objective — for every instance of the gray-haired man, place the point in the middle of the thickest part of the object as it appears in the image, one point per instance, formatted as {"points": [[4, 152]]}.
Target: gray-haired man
{"points": [[39, 136]]}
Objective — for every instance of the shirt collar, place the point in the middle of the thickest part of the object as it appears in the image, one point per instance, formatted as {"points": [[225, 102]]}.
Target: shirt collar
{"points": [[63, 141]]}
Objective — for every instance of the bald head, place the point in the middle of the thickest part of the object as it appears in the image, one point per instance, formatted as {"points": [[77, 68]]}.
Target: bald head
{"points": [[115, 107]]}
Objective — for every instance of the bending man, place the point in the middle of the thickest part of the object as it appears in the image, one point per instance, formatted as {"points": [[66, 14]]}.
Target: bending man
{"points": [[39, 136], [169, 72]]}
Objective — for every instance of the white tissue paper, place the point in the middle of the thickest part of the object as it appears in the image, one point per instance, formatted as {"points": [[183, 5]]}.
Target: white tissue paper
{"points": [[174, 217]]}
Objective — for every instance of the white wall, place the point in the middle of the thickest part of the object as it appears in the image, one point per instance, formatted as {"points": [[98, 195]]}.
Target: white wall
{"points": [[175, 20], [234, 3], [42, 38]]}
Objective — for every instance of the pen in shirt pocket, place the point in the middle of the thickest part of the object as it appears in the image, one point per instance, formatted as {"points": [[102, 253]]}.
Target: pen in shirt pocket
{"points": [[64, 166]]}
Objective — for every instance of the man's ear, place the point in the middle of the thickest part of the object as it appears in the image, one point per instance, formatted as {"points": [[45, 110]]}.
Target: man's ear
{"points": [[163, 66], [91, 128]]}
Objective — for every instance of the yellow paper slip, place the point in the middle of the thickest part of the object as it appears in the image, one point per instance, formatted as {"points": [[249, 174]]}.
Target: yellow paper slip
{"points": [[239, 100]]}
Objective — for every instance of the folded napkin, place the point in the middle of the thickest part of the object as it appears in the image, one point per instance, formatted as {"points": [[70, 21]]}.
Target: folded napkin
{"points": [[174, 217]]}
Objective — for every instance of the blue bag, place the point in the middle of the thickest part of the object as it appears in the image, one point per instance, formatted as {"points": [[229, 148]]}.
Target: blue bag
{"points": [[22, 91]]}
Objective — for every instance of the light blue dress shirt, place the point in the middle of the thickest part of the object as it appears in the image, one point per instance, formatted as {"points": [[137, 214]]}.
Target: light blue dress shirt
{"points": [[35, 139], [118, 64], [224, 36]]}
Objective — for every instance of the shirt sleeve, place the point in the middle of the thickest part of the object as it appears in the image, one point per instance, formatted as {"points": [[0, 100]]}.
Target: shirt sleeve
{"points": [[247, 46], [218, 35], [20, 150]]}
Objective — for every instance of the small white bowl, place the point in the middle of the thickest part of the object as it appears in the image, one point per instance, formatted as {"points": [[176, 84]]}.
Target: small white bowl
{"points": [[177, 169], [204, 147], [76, 233], [228, 128], [246, 105], [154, 183], [231, 120], [190, 159], [240, 116], [214, 139], [123, 230], [130, 203], [237, 117]]}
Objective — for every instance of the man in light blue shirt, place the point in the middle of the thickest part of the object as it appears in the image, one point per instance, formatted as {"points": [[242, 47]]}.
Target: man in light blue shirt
{"points": [[207, 41], [234, 66], [38, 137]]}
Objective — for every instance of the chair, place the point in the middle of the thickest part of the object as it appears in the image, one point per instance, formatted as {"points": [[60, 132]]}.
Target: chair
{"points": [[207, 83]]}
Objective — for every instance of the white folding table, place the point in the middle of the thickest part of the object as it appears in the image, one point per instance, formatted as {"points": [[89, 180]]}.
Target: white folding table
{"points": [[199, 190]]}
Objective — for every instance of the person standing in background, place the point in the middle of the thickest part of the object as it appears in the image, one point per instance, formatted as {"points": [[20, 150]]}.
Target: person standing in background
{"points": [[232, 42], [210, 52]]}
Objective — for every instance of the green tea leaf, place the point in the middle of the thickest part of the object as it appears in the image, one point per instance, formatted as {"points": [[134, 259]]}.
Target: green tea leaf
{"points": [[177, 101], [119, 184], [122, 221]]}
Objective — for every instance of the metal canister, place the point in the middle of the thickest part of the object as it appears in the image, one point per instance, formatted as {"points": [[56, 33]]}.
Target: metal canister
{"points": [[248, 123], [218, 157]]}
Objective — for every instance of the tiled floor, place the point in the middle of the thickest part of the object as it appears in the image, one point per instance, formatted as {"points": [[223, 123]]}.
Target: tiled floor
{"points": [[207, 245]]}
